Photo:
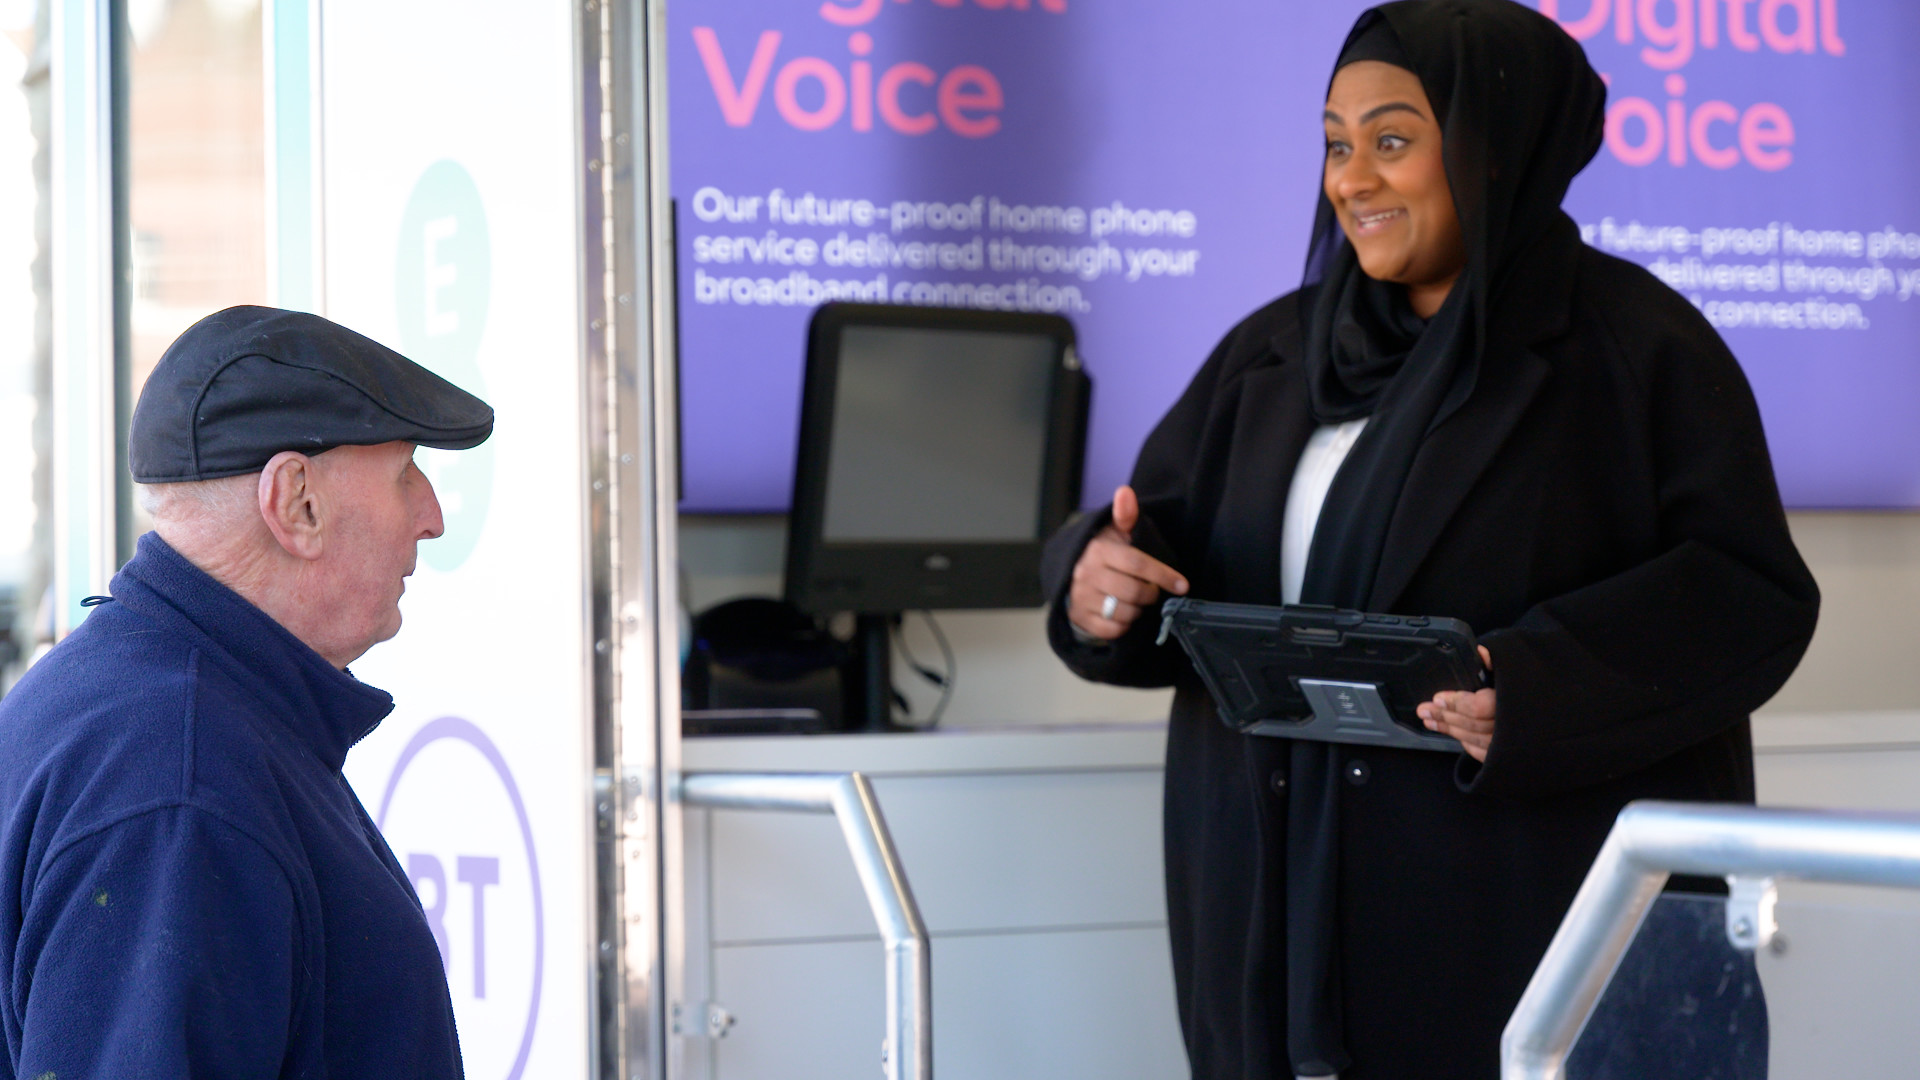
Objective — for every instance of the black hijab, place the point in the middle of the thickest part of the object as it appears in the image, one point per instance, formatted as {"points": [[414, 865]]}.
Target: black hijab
{"points": [[1521, 112]]}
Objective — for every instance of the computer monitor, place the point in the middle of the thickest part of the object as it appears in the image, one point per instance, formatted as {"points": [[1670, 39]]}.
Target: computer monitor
{"points": [[939, 448]]}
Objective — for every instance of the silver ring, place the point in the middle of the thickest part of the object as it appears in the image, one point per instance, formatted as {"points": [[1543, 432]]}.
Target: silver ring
{"points": [[1109, 606]]}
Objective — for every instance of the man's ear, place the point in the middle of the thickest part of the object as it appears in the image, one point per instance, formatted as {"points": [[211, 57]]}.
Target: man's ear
{"points": [[290, 504]]}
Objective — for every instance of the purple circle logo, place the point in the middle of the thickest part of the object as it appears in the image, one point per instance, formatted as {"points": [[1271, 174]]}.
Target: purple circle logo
{"points": [[452, 830]]}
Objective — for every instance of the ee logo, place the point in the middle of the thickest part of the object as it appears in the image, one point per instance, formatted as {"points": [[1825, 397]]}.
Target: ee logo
{"points": [[443, 279]]}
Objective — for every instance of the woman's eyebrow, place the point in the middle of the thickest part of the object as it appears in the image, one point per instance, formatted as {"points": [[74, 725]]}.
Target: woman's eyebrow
{"points": [[1392, 106], [1374, 113]]}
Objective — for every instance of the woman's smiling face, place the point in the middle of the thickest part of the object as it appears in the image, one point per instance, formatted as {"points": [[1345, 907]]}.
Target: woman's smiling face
{"points": [[1387, 181]]}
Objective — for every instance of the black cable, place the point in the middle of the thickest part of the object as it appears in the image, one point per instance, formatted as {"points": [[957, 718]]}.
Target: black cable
{"points": [[943, 681], [953, 667], [897, 642]]}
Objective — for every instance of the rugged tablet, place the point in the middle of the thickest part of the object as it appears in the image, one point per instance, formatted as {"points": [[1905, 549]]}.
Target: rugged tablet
{"points": [[1322, 673]]}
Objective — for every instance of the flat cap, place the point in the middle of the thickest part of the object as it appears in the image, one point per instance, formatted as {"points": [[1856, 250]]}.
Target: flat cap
{"points": [[243, 384]]}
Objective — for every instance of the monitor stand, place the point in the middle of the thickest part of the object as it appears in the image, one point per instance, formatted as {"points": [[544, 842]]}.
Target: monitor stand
{"points": [[870, 706]]}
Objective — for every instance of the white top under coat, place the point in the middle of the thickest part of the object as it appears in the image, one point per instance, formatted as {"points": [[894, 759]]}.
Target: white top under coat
{"points": [[1319, 463]]}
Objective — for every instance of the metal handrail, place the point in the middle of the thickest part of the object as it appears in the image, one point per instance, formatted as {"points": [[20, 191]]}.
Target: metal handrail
{"points": [[1651, 840], [907, 1053]]}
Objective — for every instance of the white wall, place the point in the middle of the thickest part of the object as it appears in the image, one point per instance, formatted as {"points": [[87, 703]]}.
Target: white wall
{"points": [[1865, 655], [1007, 674]]}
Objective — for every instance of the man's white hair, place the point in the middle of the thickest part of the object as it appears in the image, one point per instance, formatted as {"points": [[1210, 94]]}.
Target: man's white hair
{"points": [[220, 505]]}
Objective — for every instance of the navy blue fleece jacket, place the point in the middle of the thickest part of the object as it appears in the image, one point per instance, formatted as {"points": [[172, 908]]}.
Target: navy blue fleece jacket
{"points": [[188, 887]]}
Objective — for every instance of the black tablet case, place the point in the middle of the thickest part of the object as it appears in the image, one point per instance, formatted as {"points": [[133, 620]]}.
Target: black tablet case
{"points": [[1322, 673]]}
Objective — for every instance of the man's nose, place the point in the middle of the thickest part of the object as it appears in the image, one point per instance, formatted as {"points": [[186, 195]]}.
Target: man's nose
{"points": [[427, 513]]}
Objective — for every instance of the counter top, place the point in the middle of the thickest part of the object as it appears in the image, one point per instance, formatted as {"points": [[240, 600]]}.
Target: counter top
{"points": [[1786, 733], [1071, 747], [1026, 748]]}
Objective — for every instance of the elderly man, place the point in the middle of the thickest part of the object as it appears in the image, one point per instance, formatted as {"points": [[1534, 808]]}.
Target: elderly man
{"points": [[188, 887]]}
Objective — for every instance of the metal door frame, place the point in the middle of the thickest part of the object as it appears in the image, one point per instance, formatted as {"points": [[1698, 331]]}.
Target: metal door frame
{"points": [[87, 191], [632, 399]]}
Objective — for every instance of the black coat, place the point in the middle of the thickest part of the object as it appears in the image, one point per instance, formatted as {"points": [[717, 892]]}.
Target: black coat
{"points": [[1602, 511]]}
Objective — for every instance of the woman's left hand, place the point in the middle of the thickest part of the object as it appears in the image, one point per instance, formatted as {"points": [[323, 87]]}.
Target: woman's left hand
{"points": [[1465, 716]]}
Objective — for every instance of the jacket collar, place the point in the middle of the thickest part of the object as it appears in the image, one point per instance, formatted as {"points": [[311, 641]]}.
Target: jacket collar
{"points": [[327, 709], [1539, 294]]}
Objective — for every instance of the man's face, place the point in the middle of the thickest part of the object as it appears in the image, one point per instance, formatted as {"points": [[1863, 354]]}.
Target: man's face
{"points": [[380, 506]]}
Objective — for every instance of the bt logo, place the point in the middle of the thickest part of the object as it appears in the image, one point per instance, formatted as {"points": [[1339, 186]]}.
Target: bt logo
{"points": [[454, 816], [477, 871]]}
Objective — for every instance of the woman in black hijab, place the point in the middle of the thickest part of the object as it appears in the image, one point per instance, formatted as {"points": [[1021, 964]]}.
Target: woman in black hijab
{"points": [[1463, 412]]}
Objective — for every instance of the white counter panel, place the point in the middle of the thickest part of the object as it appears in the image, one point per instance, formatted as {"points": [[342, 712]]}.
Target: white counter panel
{"points": [[1841, 993], [983, 851], [1088, 1005], [1035, 857]]}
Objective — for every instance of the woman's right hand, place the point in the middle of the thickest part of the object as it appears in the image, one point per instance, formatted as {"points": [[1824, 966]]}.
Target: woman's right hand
{"points": [[1111, 567]]}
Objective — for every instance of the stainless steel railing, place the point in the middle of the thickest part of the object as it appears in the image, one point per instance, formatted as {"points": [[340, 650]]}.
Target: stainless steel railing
{"points": [[1650, 840], [907, 1052]]}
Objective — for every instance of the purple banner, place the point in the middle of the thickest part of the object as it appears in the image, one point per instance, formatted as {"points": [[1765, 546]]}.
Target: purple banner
{"points": [[1150, 171], [1760, 158]]}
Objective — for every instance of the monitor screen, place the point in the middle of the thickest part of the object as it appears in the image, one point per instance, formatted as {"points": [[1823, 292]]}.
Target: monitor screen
{"points": [[938, 449], [938, 435]]}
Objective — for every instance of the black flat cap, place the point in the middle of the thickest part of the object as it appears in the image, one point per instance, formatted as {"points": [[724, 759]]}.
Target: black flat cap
{"points": [[243, 384]]}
